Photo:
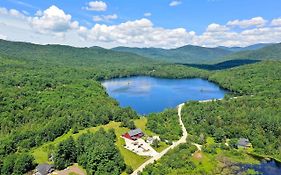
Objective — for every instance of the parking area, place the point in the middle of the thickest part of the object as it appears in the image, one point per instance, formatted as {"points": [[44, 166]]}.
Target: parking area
{"points": [[140, 147], [74, 169]]}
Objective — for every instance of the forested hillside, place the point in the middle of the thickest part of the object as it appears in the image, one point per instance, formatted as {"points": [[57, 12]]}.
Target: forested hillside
{"points": [[262, 78], [271, 52], [47, 90], [185, 54], [251, 47], [201, 55], [254, 114]]}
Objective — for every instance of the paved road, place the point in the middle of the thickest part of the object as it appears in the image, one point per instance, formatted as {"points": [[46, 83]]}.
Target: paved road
{"points": [[175, 144]]}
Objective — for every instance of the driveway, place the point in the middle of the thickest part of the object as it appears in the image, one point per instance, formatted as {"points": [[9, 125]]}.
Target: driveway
{"points": [[140, 147]]}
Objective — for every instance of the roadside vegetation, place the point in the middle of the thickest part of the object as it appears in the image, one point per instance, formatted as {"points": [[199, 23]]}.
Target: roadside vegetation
{"points": [[43, 96], [186, 159], [217, 125], [166, 124], [51, 93], [43, 153]]}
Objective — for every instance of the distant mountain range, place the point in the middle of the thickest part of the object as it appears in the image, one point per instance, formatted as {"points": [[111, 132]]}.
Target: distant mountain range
{"points": [[67, 55], [270, 52], [251, 47], [202, 55], [187, 55]]}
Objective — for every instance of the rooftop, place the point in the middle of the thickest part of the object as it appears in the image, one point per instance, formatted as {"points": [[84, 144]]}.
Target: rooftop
{"points": [[243, 142], [135, 132], [44, 169]]}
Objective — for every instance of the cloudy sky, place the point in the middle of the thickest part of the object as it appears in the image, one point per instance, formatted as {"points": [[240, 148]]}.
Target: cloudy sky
{"points": [[141, 23]]}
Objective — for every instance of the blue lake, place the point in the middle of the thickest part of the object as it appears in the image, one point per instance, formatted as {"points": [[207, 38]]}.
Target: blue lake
{"points": [[148, 94]]}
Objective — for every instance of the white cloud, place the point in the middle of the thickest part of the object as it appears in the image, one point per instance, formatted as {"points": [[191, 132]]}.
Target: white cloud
{"points": [[175, 3], [256, 22], [147, 14], [276, 22], [213, 38], [137, 33], [97, 18], [25, 12], [105, 18], [3, 36], [97, 6], [47, 25], [52, 20], [11, 12], [216, 28], [38, 13]]}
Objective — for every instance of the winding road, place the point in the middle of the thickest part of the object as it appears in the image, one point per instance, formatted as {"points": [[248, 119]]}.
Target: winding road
{"points": [[180, 141], [175, 144]]}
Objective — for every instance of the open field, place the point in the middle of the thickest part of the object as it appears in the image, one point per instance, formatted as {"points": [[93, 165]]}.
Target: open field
{"points": [[41, 153]]}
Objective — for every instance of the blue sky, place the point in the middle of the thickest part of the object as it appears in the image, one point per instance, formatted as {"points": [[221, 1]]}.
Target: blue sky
{"points": [[191, 15]]}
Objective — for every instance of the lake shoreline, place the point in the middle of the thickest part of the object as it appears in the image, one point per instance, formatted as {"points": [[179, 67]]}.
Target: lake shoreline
{"points": [[146, 94]]}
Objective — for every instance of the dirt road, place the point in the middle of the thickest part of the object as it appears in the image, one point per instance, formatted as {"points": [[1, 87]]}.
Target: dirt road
{"points": [[175, 144]]}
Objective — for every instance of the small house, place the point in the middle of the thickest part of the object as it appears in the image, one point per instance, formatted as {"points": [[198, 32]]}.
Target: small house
{"points": [[244, 143], [150, 140], [134, 134], [44, 169]]}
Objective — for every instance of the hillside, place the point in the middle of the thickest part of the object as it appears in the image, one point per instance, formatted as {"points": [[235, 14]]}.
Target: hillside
{"points": [[222, 65], [66, 55], [255, 115], [271, 52], [185, 54], [46, 91], [201, 55], [251, 47]]}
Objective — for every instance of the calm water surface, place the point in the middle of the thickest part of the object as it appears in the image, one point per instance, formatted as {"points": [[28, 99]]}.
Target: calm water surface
{"points": [[148, 94], [265, 167]]}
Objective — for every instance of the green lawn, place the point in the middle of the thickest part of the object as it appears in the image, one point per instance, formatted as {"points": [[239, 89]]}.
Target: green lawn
{"points": [[141, 123], [162, 146], [206, 163], [239, 156], [41, 153]]}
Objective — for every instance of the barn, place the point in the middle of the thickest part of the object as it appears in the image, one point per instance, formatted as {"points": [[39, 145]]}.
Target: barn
{"points": [[134, 134]]}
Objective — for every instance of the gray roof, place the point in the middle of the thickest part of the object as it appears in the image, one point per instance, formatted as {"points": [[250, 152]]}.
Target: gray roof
{"points": [[243, 142], [44, 169], [135, 132]]}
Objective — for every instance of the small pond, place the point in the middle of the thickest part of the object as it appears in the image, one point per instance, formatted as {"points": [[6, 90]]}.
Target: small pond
{"points": [[265, 167], [148, 94]]}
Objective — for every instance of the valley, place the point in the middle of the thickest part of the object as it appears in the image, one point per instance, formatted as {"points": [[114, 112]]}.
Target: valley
{"points": [[52, 98]]}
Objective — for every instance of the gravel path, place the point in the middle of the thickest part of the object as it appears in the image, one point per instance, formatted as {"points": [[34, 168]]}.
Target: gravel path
{"points": [[180, 141], [175, 144]]}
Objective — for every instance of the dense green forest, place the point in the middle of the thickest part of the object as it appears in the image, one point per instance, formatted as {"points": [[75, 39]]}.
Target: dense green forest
{"points": [[47, 90], [201, 55], [270, 52], [253, 114], [177, 161], [165, 124], [222, 65], [255, 118], [185, 54], [247, 48], [96, 152], [262, 78]]}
